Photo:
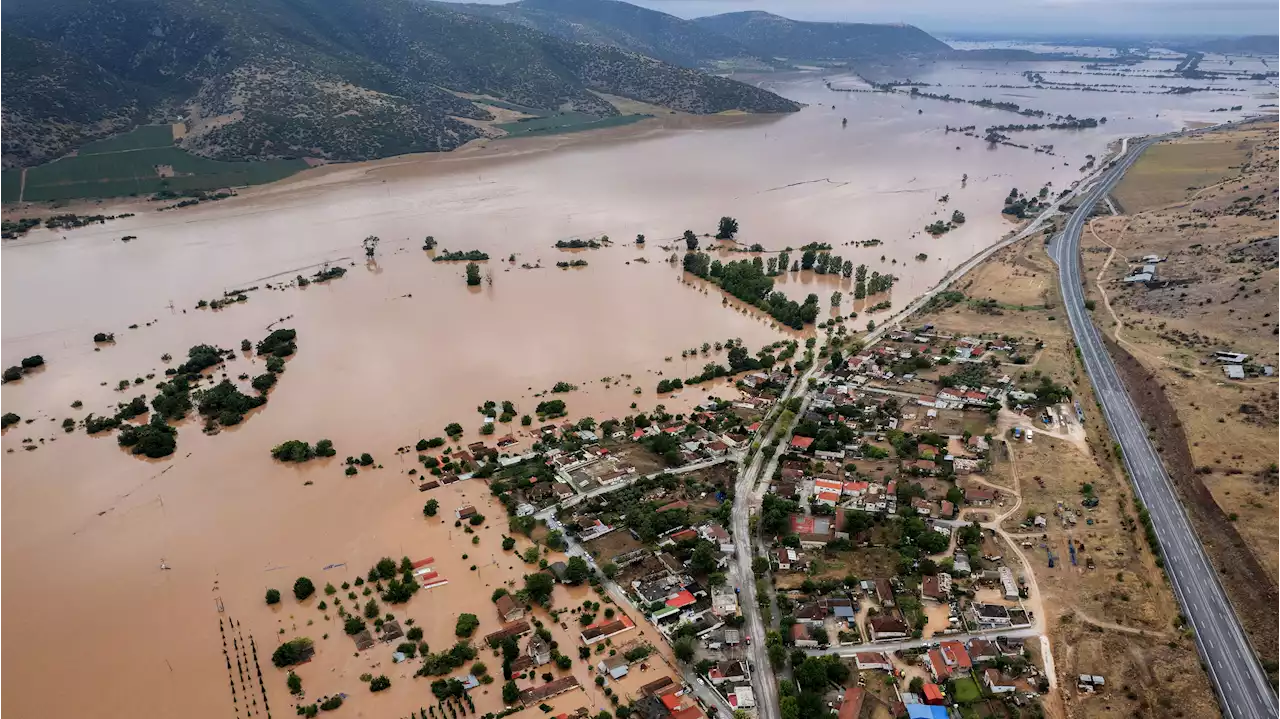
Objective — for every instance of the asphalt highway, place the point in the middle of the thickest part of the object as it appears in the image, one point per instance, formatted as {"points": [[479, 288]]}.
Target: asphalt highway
{"points": [[1243, 689]]}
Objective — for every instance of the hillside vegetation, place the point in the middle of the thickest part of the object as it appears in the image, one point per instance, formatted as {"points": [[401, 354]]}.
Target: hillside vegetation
{"points": [[625, 26], [779, 37], [332, 79]]}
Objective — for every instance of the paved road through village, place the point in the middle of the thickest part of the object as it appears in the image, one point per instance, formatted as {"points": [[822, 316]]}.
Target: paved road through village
{"points": [[1242, 686]]}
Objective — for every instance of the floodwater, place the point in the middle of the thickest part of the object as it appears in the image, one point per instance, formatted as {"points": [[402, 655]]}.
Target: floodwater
{"points": [[400, 347]]}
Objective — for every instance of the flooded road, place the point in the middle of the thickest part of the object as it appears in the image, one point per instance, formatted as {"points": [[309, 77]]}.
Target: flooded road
{"points": [[401, 346]]}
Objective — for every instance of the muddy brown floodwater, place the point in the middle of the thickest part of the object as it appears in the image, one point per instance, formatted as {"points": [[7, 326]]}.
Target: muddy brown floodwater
{"points": [[400, 347]]}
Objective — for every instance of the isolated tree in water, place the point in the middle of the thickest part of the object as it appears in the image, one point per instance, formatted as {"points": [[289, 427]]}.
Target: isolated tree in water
{"points": [[690, 240], [728, 228], [371, 245], [473, 274]]}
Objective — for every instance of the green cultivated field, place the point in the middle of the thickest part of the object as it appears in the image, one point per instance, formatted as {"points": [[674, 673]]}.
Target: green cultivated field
{"points": [[512, 106], [565, 122], [147, 136], [128, 165], [10, 183]]}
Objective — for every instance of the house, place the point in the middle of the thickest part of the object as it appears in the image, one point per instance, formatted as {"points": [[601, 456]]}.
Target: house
{"points": [[851, 707], [718, 534], [991, 615], [922, 466], [947, 511], [514, 629], [801, 444], [548, 690], [1007, 646], [559, 570], [1233, 371], [786, 557], [800, 636], [996, 682], [615, 666], [925, 711], [1009, 585], [561, 490], [981, 650], [873, 660], [727, 671], [508, 609], [539, 650], [885, 627], [921, 505], [682, 598], [956, 658], [827, 491], [936, 665], [717, 448], [936, 587], [856, 489], [466, 511], [884, 592], [933, 695], [979, 496], [742, 697], [601, 631]]}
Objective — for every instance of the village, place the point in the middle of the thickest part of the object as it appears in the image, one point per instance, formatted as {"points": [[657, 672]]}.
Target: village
{"points": [[882, 560]]}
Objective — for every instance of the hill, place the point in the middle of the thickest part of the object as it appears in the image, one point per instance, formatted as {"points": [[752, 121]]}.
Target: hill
{"points": [[779, 37], [332, 79], [625, 26], [1268, 45], [34, 75]]}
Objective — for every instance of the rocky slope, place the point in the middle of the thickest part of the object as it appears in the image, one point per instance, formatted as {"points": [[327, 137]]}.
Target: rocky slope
{"points": [[336, 79]]}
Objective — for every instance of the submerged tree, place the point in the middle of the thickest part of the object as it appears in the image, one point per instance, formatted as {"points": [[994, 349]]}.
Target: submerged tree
{"points": [[728, 228], [690, 240], [370, 244], [473, 274]]}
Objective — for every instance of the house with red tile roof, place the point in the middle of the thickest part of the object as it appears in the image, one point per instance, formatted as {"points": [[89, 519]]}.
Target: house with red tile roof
{"points": [[873, 660], [933, 695], [851, 707], [979, 496], [801, 443], [936, 665], [956, 657]]}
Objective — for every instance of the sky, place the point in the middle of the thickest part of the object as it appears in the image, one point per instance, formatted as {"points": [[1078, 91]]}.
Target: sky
{"points": [[1023, 17]]}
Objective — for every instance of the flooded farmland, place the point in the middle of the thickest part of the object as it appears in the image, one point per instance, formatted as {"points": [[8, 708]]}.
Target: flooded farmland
{"points": [[400, 347]]}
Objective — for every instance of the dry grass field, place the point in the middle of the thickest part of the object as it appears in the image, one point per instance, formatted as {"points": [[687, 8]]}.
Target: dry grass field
{"points": [[1216, 289], [1168, 171]]}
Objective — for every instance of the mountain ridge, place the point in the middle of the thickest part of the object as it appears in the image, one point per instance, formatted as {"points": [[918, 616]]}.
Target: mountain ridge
{"points": [[619, 24], [333, 79], [781, 37]]}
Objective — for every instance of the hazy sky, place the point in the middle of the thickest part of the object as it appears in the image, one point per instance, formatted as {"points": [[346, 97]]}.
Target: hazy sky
{"points": [[1095, 17]]}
